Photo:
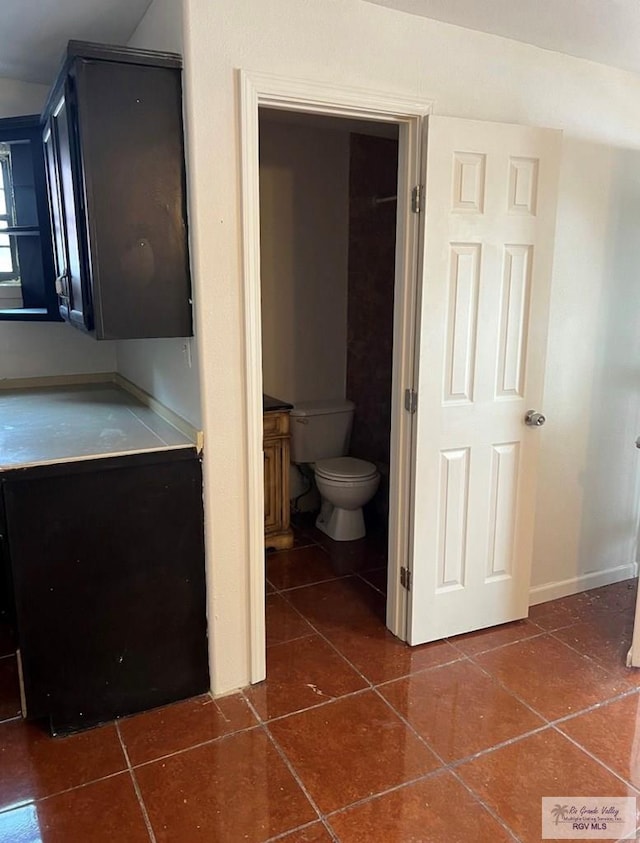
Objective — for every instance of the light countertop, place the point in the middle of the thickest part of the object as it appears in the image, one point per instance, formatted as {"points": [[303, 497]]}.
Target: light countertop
{"points": [[60, 424]]}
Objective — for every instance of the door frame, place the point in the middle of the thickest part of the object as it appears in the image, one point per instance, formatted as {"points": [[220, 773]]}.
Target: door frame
{"points": [[266, 90]]}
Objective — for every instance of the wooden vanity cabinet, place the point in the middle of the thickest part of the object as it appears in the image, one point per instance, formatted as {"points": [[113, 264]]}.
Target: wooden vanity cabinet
{"points": [[277, 531], [114, 154]]}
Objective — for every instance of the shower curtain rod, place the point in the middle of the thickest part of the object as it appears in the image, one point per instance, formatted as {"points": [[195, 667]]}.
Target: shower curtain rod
{"points": [[380, 200]]}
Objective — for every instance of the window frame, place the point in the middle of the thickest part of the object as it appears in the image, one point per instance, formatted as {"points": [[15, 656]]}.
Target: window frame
{"points": [[5, 176], [42, 296]]}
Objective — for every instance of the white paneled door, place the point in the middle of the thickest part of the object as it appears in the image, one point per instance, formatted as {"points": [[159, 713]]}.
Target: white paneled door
{"points": [[489, 212]]}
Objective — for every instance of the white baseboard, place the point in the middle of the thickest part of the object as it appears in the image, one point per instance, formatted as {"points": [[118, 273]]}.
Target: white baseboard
{"points": [[583, 582]]}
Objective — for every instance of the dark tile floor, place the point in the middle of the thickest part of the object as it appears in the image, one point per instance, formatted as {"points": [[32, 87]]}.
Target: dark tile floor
{"points": [[354, 737]]}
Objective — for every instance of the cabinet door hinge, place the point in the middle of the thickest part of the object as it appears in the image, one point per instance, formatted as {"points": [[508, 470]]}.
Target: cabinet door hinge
{"points": [[405, 578], [410, 400], [416, 199]]}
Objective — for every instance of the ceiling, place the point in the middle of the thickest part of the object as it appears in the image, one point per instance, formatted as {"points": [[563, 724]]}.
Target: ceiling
{"points": [[34, 33], [605, 31]]}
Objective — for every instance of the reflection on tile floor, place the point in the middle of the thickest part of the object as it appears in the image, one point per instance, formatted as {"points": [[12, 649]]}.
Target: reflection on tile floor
{"points": [[354, 737]]}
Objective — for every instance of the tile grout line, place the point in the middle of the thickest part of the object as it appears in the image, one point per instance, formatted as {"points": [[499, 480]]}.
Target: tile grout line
{"points": [[35, 800], [290, 767], [373, 688], [219, 739], [488, 808], [448, 766], [136, 786], [598, 761], [549, 721], [288, 641], [464, 656], [580, 653], [498, 646], [304, 827], [283, 591], [333, 647], [453, 766]]}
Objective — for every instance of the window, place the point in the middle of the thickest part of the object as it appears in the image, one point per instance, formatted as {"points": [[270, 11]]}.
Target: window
{"points": [[8, 254], [26, 263]]}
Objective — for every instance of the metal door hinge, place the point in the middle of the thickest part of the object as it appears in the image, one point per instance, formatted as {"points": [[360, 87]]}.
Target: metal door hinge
{"points": [[405, 578], [410, 400], [416, 199]]}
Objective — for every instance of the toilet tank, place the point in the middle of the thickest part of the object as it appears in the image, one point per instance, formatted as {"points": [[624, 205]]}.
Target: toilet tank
{"points": [[320, 429]]}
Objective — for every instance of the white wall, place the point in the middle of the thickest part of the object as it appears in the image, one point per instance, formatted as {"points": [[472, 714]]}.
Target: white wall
{"points": [[588, 494], [39, 349], [165, 368], [18, 98], [592, 381], [304, 252]]}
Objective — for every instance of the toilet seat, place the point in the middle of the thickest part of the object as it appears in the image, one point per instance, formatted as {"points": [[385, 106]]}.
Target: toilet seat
{"points": [[345, 468]]}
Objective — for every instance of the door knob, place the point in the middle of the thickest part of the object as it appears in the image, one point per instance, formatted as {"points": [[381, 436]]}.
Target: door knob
{"points": [[534, 419]]}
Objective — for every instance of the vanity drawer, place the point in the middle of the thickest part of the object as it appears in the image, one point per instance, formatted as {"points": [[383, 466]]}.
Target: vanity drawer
{"points": [[275, 424]]}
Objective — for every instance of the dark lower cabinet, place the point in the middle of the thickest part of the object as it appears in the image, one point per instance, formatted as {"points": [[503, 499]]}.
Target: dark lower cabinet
{"points": [[106, 559]]}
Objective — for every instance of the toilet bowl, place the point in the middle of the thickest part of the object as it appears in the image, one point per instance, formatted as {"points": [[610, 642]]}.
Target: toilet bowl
{"points": [[345, 485]]}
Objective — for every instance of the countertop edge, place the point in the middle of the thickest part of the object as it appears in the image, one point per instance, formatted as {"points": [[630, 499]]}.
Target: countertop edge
{"points": [[7, 469]]}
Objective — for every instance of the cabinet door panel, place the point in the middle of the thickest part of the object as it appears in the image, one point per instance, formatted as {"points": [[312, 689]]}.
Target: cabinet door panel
{"points": [[109, 588], [130, 121], [272, 484], [75, 304]]}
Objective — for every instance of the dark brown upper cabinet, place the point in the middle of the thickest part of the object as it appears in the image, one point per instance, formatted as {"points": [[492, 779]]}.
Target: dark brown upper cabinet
{"points": [[114, 154]]}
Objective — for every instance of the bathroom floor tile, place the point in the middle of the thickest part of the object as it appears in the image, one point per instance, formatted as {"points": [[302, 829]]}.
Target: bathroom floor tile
{"points": [[612, 734], [283, 622], [301, 674], [356, 556], [377, 578], [496, 636], [7, 641], [302, 566], [438, 810], [236, 788], [343, 604], [101, 812], [350, 749], [550, 677], [512, 780], [301, 536], [9, 688], [459, 710], [34, 765], [163, 731]]}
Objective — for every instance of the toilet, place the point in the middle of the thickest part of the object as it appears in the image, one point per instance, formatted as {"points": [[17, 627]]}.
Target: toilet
{"points": [[320, 434]]}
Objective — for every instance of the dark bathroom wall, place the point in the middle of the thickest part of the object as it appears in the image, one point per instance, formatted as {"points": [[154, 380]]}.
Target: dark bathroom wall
{"points": [[372, 234]]}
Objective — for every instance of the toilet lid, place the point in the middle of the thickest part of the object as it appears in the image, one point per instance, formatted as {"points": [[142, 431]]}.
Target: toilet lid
{"points": [[345, 468]]}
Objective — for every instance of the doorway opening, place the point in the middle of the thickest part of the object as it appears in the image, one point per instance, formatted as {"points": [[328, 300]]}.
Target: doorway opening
{"points": [[328, 221], [404, 117]]}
